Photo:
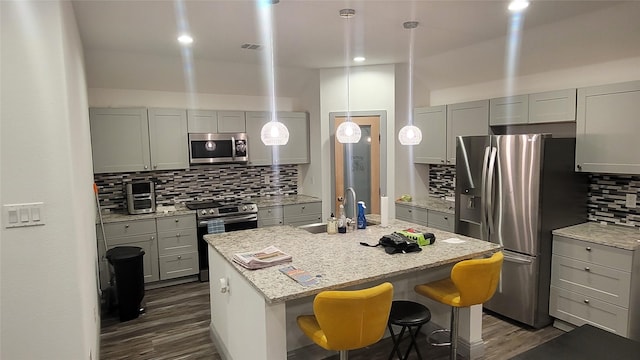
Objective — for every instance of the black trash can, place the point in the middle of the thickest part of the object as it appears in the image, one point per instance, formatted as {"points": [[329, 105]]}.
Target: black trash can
{"points": [[129, 273]]}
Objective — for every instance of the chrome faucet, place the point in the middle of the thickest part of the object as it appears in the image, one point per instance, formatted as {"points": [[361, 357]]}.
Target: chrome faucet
{"points": [[354, 219]]}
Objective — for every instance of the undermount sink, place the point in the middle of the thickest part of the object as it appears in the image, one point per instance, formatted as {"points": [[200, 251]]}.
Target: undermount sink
{"points": [[318, 228]]}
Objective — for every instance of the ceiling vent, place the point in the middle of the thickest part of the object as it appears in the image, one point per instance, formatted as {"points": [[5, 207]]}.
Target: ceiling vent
{"points": [[251, 46]]}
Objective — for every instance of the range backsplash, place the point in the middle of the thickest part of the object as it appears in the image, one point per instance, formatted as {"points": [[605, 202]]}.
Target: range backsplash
{"points": [[219, 182], [606, 202]]}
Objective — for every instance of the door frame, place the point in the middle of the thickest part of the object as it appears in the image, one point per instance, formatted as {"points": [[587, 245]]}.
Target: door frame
{"points": [[382, 114]]}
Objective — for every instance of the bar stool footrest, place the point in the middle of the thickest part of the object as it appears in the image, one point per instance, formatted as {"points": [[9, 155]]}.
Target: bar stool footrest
{"points": [[431, 340]]}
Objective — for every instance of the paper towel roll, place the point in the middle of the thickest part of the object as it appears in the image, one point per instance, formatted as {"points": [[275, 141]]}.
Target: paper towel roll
{"points": [[384, 211]]}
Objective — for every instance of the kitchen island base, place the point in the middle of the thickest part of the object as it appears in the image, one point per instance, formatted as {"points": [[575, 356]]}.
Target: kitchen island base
{"points": [[244, 325]]}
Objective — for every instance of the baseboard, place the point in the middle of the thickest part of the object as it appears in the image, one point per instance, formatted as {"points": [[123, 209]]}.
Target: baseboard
{"points": [[165, 283], [222, 350], [468, 350]]}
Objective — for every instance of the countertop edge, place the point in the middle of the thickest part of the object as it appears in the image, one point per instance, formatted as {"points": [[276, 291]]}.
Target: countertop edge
{"points": [[626, 238]]}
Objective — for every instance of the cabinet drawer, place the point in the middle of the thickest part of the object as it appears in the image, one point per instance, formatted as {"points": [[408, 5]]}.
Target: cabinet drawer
{"points": [[594, 253], [270, 213], [440, 220], [412, 214], [578, 310], [592, 280], [176, 222], [269, 222], [303, 220], [177, 242], [303, 209], [174, 266], [128, 228]]}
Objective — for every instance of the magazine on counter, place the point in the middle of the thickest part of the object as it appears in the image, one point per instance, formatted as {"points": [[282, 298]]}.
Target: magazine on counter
{"points": [[266, 257]]}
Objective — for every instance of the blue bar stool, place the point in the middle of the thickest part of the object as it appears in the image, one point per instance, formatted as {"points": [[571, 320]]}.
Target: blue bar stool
{"points": [[410, 316]]}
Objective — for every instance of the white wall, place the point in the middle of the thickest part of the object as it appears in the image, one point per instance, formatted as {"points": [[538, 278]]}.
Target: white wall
{"points": [[596, 74], [48, 290], [372, 88]]}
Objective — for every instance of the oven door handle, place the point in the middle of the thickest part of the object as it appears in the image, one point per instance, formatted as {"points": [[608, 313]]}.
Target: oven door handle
{"points": [[233, 220]]}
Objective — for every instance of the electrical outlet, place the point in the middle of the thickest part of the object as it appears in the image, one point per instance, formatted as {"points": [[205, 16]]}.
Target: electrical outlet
{"points": [[631, 201], [266, 179]]}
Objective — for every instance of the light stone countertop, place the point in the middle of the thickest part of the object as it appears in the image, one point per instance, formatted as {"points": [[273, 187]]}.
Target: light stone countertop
{"points": [[339, 259], [431, 203], [622, 237], [119, 217]]}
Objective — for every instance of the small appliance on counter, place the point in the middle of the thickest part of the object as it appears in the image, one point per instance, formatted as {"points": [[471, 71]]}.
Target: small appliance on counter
{"points": [[141, 197]]}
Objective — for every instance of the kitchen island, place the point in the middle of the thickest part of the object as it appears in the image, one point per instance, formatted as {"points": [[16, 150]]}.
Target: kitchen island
{"points": [[254, 318]]}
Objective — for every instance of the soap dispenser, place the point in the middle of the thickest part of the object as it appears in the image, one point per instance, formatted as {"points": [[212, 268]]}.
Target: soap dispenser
{"points": [[362, 221], [342, 220]]}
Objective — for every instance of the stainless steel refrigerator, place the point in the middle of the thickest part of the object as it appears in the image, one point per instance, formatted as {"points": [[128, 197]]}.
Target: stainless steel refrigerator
{"points": [[513, 190]]}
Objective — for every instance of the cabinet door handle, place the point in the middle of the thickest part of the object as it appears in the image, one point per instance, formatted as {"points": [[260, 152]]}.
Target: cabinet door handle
{"points": [[153, 238], [586, 301], [126, 226], [179, 257], [442, 161], [155, 166], [177, 220], [579, 167], [146, 167], [446, 218], [178, 234], [588, 248], [410, 210], [587, 269]]}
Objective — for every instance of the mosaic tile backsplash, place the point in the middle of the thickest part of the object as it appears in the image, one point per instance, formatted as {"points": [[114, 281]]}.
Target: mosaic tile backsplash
{"points": [[207, 182], [607, 198], [607, 194]]}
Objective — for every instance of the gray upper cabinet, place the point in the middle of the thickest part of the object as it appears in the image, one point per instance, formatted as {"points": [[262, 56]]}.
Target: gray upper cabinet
{"points": [[510, 110], [608, 128], [539, 108], [202, 121], [465, 119], [552, 106], [119, 140], [295, 152], [168, 139], [432, 121], [297, 149], [259, 153], [231, 122]]}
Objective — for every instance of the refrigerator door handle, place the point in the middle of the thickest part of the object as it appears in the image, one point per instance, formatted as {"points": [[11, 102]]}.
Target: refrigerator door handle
{"points": [[484, 230], [490, 191], [517, 259]]}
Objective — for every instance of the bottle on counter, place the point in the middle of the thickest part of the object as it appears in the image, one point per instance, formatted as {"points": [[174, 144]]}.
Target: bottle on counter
{"points": [[362, 220], [342, 220], [332, 225]]}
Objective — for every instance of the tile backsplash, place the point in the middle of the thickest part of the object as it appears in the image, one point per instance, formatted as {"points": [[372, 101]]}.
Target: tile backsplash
{"points": [[607, 195], [207, 182], [606, 202]]}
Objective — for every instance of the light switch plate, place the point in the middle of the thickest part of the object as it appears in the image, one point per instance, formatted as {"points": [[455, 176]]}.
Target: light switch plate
{"points": [[632, 199], [21, 215]]}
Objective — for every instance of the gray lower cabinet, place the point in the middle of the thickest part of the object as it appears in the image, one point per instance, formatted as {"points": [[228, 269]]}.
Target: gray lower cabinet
{"points": [[292, 214], [177, 246], [170, 244], [140, 233], [607, 128], [425, 217], [303, 214], [270, 216], [296, 151], [137, 139], [595, 284]]}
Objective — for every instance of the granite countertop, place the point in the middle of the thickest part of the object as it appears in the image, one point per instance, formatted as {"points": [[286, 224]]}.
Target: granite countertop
{"points": [[180, 209], [431, 203], [622, 237], [339, 259]]}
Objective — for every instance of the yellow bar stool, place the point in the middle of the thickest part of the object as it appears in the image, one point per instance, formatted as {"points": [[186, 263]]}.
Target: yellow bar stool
{"points": [[346, 320], [472, 282]]}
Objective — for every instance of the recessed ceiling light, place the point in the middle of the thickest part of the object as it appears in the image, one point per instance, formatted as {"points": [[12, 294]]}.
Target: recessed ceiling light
{"points": [[518, 5], [347, 13], [359, 59], [185, 39]]}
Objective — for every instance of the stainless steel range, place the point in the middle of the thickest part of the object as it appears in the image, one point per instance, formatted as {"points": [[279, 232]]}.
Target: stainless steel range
{"points": [[235, 216]]}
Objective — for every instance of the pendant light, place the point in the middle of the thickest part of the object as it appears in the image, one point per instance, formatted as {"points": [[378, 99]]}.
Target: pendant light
{"points": [[348, 132], [273, 133], [410, 134]]}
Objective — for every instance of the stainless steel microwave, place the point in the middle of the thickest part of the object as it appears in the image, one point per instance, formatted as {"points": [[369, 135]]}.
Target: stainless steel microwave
{"points": [[218, 148]]}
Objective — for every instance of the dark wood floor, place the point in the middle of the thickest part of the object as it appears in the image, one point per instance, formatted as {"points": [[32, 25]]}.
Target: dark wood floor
{"points": [[176, 326]]}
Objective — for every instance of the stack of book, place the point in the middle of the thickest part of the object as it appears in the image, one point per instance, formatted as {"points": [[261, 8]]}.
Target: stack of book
{"points": [[266, 257]]}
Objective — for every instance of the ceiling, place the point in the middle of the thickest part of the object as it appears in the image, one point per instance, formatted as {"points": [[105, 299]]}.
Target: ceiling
{"points": [[457, 42]]}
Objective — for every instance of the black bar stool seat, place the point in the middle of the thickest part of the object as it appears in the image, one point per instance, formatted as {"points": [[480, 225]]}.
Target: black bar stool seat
{"points": [[410, 316]]}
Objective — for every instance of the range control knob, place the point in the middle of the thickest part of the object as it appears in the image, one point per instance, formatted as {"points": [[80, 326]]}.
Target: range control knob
{"points": [[204, 212], [211, 211], [244, 208]]}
